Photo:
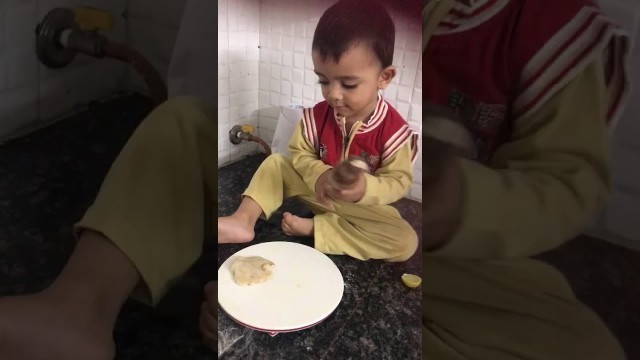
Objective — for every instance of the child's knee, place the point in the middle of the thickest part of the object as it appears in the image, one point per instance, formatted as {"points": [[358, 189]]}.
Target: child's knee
{"points": [[278, 162], [182, 103], [184, 111], [406, 243], [277, 159]]}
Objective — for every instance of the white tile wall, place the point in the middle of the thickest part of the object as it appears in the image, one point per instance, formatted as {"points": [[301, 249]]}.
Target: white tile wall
{"points": [[286, 71], [30, 92], [238, 40], [622, 215], [152, 30]]}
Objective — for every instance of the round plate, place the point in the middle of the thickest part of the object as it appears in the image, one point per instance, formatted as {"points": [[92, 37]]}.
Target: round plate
{"points": [[306, 287]]}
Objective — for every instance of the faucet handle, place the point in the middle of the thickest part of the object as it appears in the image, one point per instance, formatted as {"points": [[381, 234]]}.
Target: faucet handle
{"points": [[92, 19]]}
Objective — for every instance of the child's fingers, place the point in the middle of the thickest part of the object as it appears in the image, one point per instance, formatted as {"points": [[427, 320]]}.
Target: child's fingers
{"points": [[285, 226], [211, 290], [209, 335], [324, 199], [326, 202], [209, 318]]}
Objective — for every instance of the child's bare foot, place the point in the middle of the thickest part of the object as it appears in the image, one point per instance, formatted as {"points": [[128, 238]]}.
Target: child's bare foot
{"points": [[296, 226], [234, 229], [34, 327]]}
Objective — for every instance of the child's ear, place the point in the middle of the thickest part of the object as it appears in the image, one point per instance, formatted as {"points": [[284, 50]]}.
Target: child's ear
{"points": [[386, 76]]}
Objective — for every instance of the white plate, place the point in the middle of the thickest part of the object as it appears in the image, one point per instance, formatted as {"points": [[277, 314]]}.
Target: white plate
{"points": [[305, 289]]}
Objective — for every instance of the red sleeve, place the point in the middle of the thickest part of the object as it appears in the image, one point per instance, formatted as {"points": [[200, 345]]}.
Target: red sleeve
{"points": [[553, 42]]}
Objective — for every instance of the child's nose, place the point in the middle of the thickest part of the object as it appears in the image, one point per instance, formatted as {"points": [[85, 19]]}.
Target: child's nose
{"points": [[335, 93]]}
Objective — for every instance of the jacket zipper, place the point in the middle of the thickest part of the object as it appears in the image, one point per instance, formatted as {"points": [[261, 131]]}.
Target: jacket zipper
{"points": [[346, 138]]}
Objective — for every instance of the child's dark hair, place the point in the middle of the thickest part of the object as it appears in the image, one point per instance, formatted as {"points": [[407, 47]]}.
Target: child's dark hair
{"points": [[349, 22]]}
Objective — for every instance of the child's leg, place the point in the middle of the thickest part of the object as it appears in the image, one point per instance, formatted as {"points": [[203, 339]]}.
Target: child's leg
{"points": [[147, 222], [275, 180], [362, 232], [507, 310]]}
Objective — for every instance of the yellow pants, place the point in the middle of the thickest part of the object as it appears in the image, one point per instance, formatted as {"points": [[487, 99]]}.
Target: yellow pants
{"points": [[362, 232], [507, 310], [153, 201]]}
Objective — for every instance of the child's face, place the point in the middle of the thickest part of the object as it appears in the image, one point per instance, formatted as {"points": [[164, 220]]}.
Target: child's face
{"points": [[351, 85]]}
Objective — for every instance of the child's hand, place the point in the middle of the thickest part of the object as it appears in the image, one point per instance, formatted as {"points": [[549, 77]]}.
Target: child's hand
{"points": [[442, 192], [347, 182], [351, 194], [323, 188]]}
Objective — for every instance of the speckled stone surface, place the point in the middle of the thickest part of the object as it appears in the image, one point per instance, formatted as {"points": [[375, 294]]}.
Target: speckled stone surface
{"points": [[606, 277], [378, 317], [48, 178]]}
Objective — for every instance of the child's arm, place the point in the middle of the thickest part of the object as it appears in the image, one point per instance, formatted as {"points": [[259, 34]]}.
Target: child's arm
{"points": [[544, 186], [390, 183], [304, 158]]}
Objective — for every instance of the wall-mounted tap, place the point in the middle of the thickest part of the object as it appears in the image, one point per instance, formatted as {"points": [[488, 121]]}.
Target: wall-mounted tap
{"points": [[238, 133], [63, 33]]}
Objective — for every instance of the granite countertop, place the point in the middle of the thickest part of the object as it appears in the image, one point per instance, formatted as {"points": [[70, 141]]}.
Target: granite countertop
{"points": [[378, 317]]}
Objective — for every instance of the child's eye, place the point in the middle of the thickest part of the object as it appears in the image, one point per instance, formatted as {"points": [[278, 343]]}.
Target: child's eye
{"points": [[323, 83], [347, 86]]}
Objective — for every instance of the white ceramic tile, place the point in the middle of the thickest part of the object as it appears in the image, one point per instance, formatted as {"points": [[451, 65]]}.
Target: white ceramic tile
{"points": [[265, 81], [285, 88], [417, 176], [264, 98], [403, 109], [416, 192], [275, 72], [57, 95], [163, 12], [275, 56], [411, 60], [299, 45], [3, 82], [287, 44], [223, 101], [405, 93], [223, 157], [297, 76], [416, 113], [297, 89], [298, 61], [299, 30], [266, 135], [287, 60], [18, 108], [20, 23], [155, 42], [308, 92], [391, 92], [275, 86], [408, 77], [273, 98], [622, 215], [21, 67]]}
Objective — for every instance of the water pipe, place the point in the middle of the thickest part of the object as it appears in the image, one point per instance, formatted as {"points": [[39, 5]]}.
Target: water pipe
{"points": [[240, 133], [63, 33]]}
